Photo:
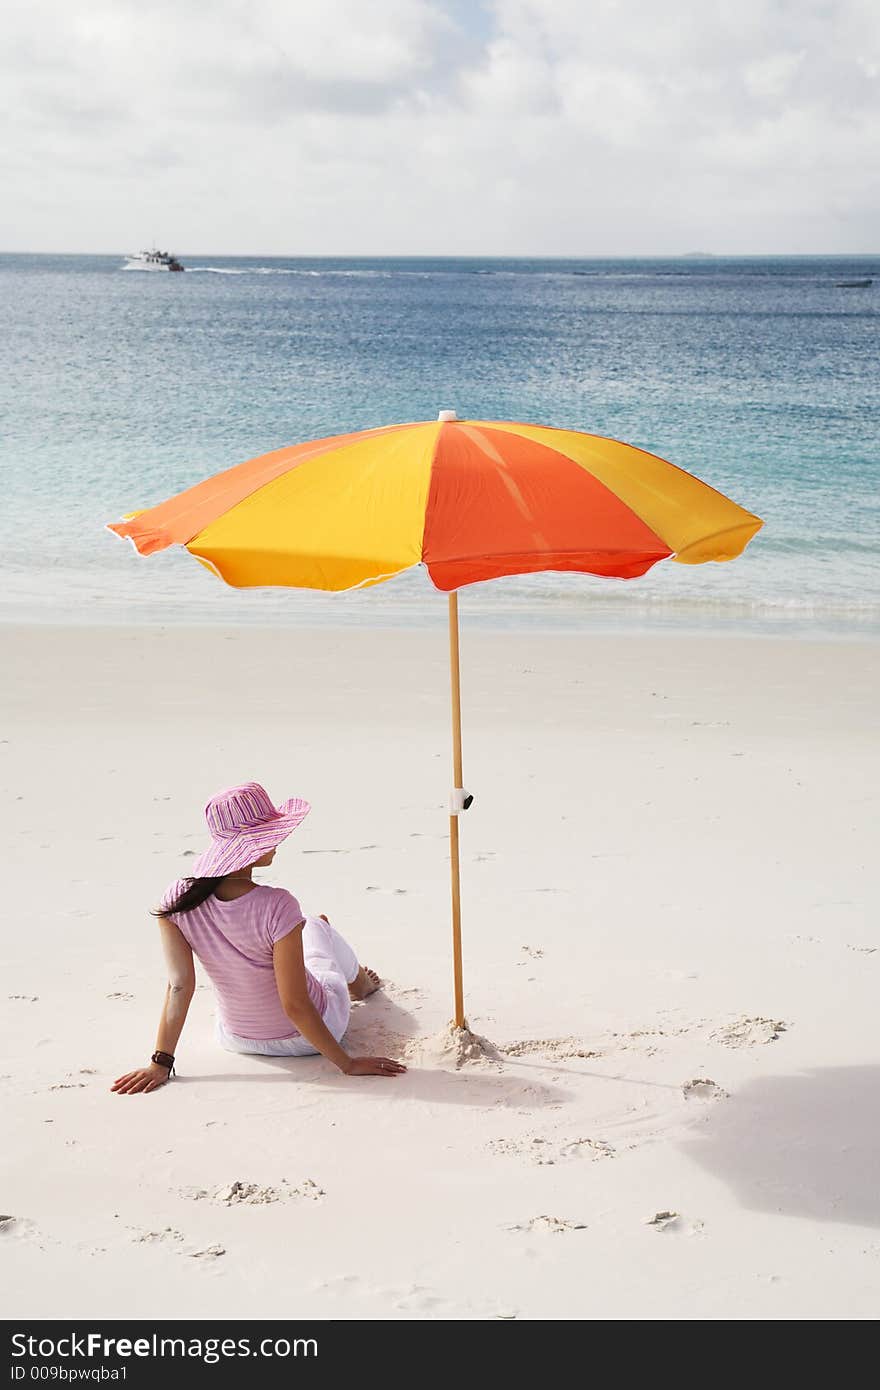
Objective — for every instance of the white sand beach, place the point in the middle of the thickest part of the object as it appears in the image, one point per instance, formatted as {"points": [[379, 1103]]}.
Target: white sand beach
{"points": [[670, 886]]}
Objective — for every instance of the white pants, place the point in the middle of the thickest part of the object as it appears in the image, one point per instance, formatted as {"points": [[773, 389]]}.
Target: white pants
{"points": [[334, 964]]}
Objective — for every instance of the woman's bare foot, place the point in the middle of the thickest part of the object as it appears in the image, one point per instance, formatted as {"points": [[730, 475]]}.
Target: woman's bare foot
{"points": [[365, 983]]}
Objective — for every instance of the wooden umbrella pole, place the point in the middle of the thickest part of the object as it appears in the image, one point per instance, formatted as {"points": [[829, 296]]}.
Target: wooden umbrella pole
{"points": [[455, 674]]}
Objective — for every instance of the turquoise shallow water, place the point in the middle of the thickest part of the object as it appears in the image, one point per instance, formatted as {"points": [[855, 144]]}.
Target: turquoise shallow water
{"points": [[118, 388]]}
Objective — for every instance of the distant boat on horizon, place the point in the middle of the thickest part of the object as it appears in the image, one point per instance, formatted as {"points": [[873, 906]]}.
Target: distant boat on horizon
{"points": [[153, 260], [854, 284]]}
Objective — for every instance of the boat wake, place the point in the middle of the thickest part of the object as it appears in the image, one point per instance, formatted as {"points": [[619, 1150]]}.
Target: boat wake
{"points": [[286, 270]]}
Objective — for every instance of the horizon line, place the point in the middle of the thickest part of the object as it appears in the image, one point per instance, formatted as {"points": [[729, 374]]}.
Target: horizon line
{"points": [[493, 256]]}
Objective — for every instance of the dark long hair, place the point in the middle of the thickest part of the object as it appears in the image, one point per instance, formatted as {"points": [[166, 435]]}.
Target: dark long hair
{"points": [[195, 891]]}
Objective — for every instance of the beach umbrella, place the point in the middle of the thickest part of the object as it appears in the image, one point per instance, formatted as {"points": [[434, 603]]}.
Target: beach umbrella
{"points": [[469, 500]]}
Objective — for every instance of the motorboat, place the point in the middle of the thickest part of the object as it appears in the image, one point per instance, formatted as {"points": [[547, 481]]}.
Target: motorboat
{"points": [[152, 260]]}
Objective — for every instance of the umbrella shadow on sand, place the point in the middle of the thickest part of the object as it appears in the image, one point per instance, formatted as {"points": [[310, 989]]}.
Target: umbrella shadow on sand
{"points": [[805, 1145]]}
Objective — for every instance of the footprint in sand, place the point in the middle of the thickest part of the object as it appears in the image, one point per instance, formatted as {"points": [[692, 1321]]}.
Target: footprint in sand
{"points": [[532, 952], [415, 1298], [703, 1088], [409, 1298], [24, 998], [665, 1030], [20, 1228], [672, 1221], [556, 1049], [235, 1193], [548, 1225], [543, 1151], [168, 1234], [119, 994], [650, 1040], [748, 1032], [662, 1220]]}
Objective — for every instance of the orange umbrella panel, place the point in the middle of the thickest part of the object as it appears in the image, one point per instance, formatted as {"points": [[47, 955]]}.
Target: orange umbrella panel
{"points": [[502, 504]]}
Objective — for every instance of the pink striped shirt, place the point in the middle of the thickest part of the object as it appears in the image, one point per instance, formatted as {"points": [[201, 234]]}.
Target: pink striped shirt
{"points": [[234, 940]]}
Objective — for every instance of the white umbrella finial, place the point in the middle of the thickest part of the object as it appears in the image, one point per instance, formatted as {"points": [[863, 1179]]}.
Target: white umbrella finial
{"points": [[444, 416]]}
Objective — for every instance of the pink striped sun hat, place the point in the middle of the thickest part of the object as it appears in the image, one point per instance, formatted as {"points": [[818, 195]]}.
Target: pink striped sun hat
{"points": [[245, 825]]}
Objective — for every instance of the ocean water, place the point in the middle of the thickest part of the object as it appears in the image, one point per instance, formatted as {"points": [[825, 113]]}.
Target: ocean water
{"points": [[118, 388]]}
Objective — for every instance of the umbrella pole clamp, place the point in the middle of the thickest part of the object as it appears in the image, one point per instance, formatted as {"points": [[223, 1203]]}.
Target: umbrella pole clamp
{"points": [[459, 800]]}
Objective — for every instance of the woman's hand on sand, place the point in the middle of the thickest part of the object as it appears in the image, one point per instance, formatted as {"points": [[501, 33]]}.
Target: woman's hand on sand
{"points": [[144, 1079], [373, 1066]]}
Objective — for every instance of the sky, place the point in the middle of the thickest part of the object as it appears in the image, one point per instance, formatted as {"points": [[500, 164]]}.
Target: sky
{"points": [[441, 127]]}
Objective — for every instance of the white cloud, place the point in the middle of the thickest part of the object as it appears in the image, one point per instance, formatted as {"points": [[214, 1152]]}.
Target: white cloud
{"points": [[414, 126]]}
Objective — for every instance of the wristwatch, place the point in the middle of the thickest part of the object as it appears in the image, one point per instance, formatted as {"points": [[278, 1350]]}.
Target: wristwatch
{"points": [[164, 1059]]}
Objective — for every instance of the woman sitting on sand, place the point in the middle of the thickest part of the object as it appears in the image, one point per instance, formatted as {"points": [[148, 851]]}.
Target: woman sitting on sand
{"points": [[284, 982]]}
